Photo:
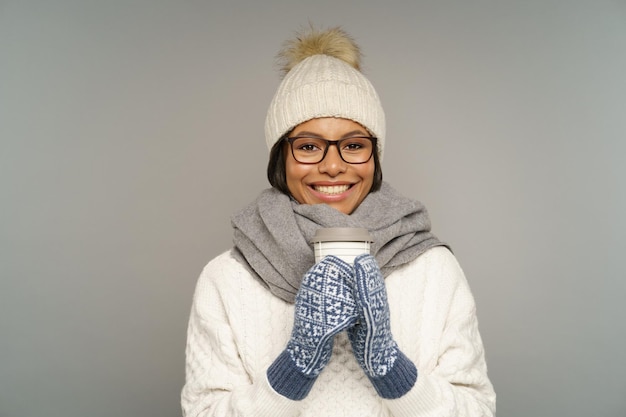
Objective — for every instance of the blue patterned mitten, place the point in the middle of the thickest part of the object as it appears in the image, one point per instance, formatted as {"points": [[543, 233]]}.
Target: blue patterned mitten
{"points": [[389, 370], [324, 307]]}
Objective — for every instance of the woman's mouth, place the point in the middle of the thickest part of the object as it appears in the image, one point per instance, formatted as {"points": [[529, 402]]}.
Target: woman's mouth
{"points": [[332, 189]]}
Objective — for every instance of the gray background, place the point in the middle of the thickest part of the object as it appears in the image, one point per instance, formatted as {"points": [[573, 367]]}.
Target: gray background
{"points": [[130, 131]]}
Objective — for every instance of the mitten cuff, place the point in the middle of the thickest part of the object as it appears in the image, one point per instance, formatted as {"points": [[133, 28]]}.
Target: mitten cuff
{"points": [[287, 379], [398, 381]]}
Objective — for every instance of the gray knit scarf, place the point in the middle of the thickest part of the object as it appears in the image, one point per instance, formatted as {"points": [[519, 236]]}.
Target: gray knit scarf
{"points": [[272, 235]]}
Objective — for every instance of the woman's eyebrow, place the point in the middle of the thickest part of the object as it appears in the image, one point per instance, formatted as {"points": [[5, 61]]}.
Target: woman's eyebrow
{"points": [[357, 132], [306, 133]]}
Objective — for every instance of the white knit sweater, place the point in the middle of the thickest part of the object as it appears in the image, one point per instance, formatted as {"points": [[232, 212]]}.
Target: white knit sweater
{"points": [[237, 328]]}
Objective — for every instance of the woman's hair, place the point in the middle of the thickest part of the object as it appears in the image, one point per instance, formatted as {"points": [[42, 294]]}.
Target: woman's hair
{"points": [[277, 174]]}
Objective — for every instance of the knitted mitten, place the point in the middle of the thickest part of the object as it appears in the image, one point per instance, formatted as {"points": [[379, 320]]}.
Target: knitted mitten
{"points": [[324, 306], [389, 370]]}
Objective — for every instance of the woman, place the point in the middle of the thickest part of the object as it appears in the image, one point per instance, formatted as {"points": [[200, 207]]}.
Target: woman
{"points": [[272, 333]]}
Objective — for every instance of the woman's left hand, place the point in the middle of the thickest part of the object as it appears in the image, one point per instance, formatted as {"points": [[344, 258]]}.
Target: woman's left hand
{"points": [[391, 372]]}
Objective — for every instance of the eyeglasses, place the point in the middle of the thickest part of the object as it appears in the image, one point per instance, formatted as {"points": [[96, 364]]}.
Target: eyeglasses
{"points": [[312, 150]]}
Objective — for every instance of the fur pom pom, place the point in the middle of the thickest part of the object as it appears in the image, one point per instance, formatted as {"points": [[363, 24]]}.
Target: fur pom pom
{"points": [[333, 42]]}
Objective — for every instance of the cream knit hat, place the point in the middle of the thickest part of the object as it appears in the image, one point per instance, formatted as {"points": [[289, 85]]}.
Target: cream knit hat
{"points": [[322, 79]]}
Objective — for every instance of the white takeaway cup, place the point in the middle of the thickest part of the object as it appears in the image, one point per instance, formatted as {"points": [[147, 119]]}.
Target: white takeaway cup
{"points": [[344, 242]]}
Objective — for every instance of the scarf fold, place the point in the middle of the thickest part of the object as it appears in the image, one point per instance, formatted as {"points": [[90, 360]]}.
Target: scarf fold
{"points": [[272, 235]]}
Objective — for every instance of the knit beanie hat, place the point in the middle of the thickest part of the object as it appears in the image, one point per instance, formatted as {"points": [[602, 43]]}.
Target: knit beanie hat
{"points": [[322, 78]]}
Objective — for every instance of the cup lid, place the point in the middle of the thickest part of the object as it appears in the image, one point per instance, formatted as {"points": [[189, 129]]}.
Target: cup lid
{"points": [[342, 234]]}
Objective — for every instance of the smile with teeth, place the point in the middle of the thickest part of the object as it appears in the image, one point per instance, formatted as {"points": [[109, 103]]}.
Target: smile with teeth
{"points": [[331, 189]]}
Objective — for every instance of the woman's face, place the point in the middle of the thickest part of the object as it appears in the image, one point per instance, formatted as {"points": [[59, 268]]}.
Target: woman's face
{"points": [[332, 181]]}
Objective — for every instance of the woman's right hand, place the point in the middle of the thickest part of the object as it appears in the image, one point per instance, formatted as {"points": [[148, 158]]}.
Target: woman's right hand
{"points": [[324, 307]]}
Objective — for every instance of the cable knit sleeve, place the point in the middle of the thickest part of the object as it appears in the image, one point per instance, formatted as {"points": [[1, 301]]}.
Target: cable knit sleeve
{"points": [[218, 383], [452, 373]]}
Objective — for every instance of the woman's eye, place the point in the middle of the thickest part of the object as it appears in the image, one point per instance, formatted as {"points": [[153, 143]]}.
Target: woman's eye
{"points": [[356, 144], [353, 146], [309, 147]]}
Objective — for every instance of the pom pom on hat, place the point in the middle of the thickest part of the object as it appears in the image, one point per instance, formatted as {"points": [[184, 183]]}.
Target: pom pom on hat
{"points": [[332, 42], [322, 78]]}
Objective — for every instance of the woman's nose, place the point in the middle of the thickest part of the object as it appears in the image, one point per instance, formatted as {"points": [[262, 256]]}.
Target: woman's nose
{"points": [[332, 164]]}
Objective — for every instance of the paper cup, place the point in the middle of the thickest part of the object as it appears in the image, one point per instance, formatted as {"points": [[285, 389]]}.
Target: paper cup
{"points": [[344, 242]]}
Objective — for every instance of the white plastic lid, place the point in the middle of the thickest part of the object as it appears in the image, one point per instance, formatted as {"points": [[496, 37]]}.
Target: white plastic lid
{"points": [[342, 234]]}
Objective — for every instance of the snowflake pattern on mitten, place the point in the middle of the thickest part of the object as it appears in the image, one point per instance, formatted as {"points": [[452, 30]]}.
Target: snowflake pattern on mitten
{"points": [[324, 307], [371, 338]]}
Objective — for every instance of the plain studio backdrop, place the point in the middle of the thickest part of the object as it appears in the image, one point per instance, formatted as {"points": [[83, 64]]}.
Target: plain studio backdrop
{"points": [[131, 131]]}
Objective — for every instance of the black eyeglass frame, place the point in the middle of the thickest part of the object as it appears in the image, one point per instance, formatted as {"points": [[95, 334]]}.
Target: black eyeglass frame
{"points": [[372, 139]]}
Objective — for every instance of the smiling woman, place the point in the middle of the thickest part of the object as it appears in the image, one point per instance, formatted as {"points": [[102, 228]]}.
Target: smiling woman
{"points": [[273, 332]]}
